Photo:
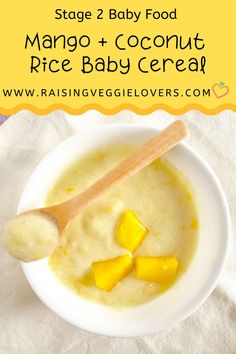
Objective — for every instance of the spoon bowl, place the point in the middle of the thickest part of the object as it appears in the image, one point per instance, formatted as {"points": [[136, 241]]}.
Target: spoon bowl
{"points": [[63, 213]]}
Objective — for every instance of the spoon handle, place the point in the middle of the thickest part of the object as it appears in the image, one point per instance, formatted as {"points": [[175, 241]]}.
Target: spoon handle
{"points": [[143, 156]]}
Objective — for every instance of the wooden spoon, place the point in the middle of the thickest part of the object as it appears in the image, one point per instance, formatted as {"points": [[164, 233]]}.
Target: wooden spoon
{"points": [[50, 222]]}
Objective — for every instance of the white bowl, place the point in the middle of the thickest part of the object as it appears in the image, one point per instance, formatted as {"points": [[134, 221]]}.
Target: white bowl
{"points": [[191, 289]]}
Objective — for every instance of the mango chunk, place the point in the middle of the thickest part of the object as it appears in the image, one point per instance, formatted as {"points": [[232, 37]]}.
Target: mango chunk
{"points": [[109, 272], [156, 269], [131, 231]]}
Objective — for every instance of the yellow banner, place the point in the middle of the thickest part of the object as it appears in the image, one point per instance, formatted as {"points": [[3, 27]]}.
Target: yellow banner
{"points": [[107, 55]]}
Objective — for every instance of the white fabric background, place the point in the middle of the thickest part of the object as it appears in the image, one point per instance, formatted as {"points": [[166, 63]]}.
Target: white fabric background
{"points": [[27, 326]]}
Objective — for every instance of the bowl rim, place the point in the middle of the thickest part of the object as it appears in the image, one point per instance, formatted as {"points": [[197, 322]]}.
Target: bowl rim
{"points": [[225, 251]]}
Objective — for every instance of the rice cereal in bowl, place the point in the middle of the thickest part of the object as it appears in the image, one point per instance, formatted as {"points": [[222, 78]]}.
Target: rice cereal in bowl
{"points": [[144, 255]]}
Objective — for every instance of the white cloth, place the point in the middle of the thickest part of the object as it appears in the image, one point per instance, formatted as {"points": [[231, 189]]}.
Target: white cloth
{"points": [[26, 325]]}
